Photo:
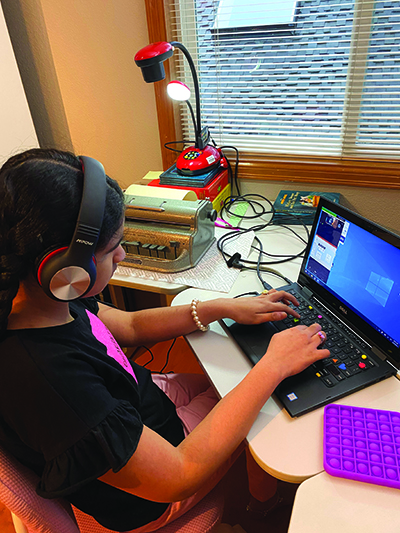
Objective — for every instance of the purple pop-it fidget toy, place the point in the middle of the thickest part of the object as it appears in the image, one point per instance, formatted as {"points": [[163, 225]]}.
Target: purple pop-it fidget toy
{"points": [[362, 444]]}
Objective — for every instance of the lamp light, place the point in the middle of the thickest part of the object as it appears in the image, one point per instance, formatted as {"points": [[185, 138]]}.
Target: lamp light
{"points": [[202, 157], [178, 91]]}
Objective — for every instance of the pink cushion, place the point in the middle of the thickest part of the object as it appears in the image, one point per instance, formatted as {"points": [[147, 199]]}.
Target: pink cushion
{"points": [[17, 492]]}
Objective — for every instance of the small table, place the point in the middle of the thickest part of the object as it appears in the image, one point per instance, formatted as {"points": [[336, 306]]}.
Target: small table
{"points": [[336, 505]]}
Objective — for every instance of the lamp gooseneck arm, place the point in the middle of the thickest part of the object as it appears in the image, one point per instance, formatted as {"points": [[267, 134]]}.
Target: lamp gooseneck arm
{"points": [[192, 115], [196, 85]]}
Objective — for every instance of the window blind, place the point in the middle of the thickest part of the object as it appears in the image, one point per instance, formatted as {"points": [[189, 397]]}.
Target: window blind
{"points": [[324, 81]]}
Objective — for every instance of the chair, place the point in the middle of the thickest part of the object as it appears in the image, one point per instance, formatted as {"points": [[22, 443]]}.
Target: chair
{"points": [[33, 514]]}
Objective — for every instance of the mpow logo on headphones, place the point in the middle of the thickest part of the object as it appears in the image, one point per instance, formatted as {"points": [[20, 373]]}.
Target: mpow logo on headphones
{"points": [[81, 241]]}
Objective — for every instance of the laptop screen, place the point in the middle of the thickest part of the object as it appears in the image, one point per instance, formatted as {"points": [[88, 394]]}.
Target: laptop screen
{"points": [[359, 268]]}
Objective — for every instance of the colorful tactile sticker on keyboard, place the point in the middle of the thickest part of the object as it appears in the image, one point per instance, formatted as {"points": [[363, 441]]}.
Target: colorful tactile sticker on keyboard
{"points": [[362, 444]]}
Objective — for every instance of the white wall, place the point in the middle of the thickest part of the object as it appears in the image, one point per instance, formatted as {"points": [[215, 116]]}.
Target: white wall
{"points": [[17, 132], [85, 91]]}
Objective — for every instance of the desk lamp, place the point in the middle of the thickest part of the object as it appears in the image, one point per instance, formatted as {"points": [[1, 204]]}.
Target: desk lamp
{"points": [[202, 157]]}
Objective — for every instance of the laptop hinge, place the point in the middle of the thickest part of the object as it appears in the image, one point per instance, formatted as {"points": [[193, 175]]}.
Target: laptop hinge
{"points": [[386, 358], [397, 370], [307, 292], [395, 367], [381, 355]]}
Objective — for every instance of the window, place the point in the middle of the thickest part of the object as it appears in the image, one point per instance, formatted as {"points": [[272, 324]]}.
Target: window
{"points": [[235, 14], [318, 103]]}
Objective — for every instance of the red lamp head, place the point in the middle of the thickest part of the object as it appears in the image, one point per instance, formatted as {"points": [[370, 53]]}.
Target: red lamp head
{"points": [[150, 59]]}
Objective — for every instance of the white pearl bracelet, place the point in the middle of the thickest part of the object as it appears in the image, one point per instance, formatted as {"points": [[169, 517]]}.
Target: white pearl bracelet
{"points": [[193, 310]]}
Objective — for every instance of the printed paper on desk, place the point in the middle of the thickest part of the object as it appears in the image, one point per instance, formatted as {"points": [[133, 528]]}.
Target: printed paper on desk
{"points": [[211, 273], [165, 192]]}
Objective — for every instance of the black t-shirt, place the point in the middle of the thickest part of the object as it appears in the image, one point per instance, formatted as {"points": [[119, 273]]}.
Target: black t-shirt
{"points": [[73, 407]]}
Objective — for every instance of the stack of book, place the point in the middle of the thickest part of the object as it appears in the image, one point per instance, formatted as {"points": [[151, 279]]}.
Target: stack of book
{"points": [[299, 207], [171, 177], [217, 190]]}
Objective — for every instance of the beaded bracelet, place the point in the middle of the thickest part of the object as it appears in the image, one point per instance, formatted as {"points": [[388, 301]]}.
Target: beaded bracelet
{"points": [[193, 310]]}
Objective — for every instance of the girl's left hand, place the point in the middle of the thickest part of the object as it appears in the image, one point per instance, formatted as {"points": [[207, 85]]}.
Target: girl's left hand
{"points": [[270, 306]]}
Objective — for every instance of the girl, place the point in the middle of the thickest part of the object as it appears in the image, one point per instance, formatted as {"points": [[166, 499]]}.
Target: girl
{"points": [[99, 430]]}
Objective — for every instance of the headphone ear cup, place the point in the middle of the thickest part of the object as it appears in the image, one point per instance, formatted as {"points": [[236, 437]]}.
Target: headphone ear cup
{"points": [[68, 273], [62, 280], [43, 262]]}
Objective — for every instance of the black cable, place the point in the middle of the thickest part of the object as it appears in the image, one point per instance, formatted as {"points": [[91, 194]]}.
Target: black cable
{"points": [[296, 234], [230, 174], [272, 272], [228, 236], [263, 252], [243, 262], [167, 357], [263, 283], [235, 175], [253, 293], [232, 200], [167, 145], [151, 353], [259, 265], [285, 258]]}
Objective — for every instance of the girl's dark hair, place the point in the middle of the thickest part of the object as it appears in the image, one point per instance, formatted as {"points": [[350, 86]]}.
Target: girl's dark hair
{"points": [[40, 195]]}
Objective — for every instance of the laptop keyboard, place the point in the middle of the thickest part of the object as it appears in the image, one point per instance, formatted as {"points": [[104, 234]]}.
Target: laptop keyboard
{"points": [[347, 350]]}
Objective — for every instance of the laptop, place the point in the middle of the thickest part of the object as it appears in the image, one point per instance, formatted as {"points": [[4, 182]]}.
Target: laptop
{"points": [[349, 282]]}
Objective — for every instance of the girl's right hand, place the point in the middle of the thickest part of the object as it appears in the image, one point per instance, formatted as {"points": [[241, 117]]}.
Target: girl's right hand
{"points": [[294, 349]]}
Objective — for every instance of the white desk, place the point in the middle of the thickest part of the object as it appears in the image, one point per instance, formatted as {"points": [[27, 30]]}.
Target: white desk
{"points": [[335, 505], [289, 449]]}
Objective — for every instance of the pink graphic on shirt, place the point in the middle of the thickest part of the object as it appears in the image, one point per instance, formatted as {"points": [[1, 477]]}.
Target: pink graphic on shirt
{"points": [[103, 335]]}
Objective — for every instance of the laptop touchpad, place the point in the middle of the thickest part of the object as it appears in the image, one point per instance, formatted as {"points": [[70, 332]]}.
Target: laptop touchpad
{"points": [[253, 339]]}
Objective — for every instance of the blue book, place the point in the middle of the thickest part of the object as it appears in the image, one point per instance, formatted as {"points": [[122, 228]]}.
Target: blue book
{"points": [[299, 207]]}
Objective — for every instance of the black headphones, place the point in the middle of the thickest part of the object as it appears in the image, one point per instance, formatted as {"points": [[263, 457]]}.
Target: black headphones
{"points": [[69, 272]]}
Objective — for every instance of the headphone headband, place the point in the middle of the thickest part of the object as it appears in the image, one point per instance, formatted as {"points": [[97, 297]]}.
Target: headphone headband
{"points": [[68, 273]]}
